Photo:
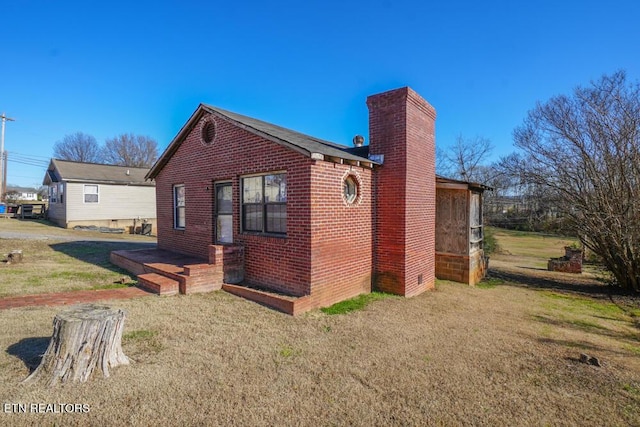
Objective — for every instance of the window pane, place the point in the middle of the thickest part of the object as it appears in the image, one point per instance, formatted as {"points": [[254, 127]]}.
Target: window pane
{"points": [[179, 195], [275, 188], [180, 218], [276, 218], [475, 210], [224, 199], [91, 194], [224, 229], [252, 218], [252, 190], [350, 189], [179, 206]]}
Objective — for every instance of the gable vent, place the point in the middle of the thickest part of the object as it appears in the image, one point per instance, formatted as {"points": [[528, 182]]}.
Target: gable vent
{"points": [[208, 132]]}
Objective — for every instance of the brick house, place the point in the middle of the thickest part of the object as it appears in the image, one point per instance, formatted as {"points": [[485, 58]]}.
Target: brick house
{"points": [[296, 222]]}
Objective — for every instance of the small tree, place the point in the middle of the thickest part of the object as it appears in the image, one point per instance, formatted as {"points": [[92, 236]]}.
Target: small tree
{"points": [[78, 147], [585, 149], [132, 150], [12, 196]]}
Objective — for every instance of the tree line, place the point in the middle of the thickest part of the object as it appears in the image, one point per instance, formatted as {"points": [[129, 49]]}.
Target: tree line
{"points": [[126, 149], [576, 170]]}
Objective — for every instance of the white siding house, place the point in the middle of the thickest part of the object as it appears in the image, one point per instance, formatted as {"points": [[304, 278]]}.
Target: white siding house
{"points": [[22, 194], [101, 195]]}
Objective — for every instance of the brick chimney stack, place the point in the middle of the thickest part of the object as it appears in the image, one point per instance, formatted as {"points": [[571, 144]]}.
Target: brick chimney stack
{"points": [[402, 129]]}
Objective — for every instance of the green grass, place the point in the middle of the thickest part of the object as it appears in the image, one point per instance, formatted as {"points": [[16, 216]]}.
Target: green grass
{"points": [[77, 275], [529, 244], [286, 351], [112, 286], [633, 348], [489, 283], [140, 334], [353, 304], [490, 243], [632, 389], [586, 325], [143, 343], [582, 305]]}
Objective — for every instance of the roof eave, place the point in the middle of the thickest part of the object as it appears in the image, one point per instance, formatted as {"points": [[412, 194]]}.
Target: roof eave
{"points": [[175, 143], [202, 108]]}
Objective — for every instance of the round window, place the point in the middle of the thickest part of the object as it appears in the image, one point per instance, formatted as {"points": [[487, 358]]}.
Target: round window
{"points": [[350, 189], [208, 132]]}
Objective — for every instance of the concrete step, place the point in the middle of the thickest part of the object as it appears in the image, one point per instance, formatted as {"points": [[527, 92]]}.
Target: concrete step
{"points": [[158, 284]]}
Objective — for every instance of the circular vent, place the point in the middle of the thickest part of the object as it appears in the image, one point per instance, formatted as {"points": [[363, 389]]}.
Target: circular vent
{"points": [[208, 134]]}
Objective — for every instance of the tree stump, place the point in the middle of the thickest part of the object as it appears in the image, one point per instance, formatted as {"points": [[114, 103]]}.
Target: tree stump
{"points": [[84, 338]]}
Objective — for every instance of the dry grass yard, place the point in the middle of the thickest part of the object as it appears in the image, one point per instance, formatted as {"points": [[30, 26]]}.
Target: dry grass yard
{"points": [[503, 353], [57, 260]]}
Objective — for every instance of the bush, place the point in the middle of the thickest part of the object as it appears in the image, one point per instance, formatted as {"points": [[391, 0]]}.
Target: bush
{"points": [[490, 243]]}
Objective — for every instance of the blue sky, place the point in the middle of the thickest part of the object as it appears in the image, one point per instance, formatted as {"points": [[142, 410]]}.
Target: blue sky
{"points": [[106, 68]]}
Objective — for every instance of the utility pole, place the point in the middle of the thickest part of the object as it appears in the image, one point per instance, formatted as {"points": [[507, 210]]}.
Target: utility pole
{"points": [[3, 160]]}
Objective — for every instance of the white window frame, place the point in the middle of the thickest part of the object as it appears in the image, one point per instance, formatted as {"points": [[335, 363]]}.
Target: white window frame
{"points": [[61, 192], [53, 193], [182, 208], [85, 193]]}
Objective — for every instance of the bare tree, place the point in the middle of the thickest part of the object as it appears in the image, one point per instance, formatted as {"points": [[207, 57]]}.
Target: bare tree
{"points": [[465, 157], [132, 150], [78, 147], [585, 149]]}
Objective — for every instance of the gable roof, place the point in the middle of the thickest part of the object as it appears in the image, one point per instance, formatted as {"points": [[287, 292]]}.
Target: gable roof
{"points": [[309, 146], [65, 170]]}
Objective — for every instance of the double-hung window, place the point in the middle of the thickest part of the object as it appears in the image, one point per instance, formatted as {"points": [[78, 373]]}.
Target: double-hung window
{"points": [[179, 207], [91, 193], [264, 203], [53, 193]]}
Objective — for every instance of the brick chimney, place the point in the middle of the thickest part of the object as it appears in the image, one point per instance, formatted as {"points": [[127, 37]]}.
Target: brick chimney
{"points": [[402, 129]]}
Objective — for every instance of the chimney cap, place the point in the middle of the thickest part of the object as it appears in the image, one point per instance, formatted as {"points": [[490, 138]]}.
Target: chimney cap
{"points": [[358, 140]]}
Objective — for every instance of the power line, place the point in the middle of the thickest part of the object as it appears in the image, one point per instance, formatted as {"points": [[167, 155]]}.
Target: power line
{"points": [[18, 158], [29, 155], [27, 162]]}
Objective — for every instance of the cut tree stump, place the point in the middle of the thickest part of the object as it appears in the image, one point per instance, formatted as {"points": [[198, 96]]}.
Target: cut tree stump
{"points": [[84, 338]]}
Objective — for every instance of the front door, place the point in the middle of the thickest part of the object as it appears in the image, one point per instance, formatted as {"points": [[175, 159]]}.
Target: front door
{"points": [[224, 213]]}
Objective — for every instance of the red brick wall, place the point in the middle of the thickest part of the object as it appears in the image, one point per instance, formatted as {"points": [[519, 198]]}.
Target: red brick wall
{"points": [[402, 128], [469, 269], [341, 234], [279, 263]]}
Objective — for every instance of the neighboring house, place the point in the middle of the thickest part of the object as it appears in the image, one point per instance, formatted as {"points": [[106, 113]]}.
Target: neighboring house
{"points": [[88, 194], [21, 194], [311, 220]]}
